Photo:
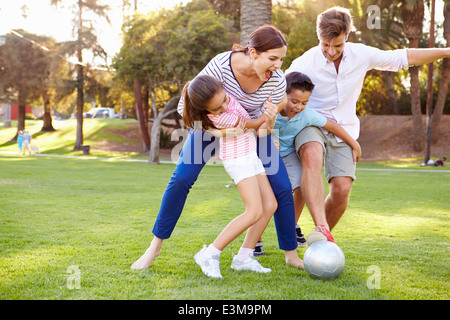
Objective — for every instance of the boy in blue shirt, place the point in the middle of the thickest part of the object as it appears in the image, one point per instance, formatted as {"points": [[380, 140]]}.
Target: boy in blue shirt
{"points": [[289, 122]]}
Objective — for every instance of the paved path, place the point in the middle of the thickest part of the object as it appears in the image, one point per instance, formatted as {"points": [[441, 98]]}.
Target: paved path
{"points": [[211, 164]]}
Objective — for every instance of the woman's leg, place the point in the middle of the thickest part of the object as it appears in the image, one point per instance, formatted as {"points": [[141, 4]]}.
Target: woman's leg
{"points": [[284, 216], [192, 159]]}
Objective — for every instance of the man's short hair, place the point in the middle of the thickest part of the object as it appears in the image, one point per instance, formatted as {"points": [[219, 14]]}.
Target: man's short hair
{"points": [[333, 22]]}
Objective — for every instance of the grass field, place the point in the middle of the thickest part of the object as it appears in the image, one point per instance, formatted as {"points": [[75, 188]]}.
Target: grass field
{"points": [[70, 229], [61, 141], [96, 216]]}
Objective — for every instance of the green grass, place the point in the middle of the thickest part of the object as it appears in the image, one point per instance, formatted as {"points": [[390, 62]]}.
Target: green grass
{"points": [[62, 141], [97, 215]]}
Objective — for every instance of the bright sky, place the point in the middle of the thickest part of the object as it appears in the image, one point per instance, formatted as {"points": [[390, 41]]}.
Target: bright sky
{"points": [[41, 18]]}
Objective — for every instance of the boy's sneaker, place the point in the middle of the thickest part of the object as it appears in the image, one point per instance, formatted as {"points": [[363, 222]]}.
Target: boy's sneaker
{"points": [[319, 233], [249, 264], [301, 242], [259, 250], [209, 263]]}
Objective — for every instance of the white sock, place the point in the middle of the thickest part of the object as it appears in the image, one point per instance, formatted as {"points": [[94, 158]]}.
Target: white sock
{"points": [[212, 250], [244, 253]]}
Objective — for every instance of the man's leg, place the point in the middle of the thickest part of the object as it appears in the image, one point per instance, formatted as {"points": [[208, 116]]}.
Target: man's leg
{"points": [[313, 190], [310, 145], [337, 200], [340, 173]]}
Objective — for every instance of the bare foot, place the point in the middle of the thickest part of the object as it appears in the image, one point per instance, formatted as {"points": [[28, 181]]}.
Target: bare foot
{"points": [[293, 259], [150, 254]]}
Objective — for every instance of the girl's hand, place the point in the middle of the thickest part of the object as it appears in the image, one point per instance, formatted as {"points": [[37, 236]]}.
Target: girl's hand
{"points": [[270, 109]]}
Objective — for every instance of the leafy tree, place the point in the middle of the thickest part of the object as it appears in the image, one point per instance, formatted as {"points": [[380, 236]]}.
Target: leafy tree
{"points": [[297, 21], [165, 49], [86, 39], [24, 67]]}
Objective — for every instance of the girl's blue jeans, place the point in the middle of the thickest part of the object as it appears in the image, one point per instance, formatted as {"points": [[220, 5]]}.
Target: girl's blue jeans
{"points": [[199, 147]]}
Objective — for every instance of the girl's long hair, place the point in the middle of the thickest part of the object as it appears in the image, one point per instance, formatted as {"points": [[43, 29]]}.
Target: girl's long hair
{"points": [[196, 94], [264, 38]]}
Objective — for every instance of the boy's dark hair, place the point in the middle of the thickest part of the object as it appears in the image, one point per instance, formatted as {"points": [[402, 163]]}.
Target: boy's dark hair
{"points": [[298, 80]]}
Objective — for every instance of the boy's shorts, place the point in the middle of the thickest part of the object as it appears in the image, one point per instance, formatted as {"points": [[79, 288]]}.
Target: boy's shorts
{"points": [[244, 167], [294, 169], [338, 156]]}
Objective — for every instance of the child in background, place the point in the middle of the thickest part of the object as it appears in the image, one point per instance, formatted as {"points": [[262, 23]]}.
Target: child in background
{"points": [[20, 141], [289, 124], [26, 142], [206, 102]]}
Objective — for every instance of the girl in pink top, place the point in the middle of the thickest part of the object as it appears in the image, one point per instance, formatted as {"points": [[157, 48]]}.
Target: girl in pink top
{"points": [[208, 107]]}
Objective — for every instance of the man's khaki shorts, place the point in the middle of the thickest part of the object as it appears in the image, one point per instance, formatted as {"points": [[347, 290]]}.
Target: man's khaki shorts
{"points": [[337, 156]]}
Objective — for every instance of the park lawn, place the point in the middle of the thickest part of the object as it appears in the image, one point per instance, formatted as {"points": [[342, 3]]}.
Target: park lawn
{"points": [[62, 141], [96, 216]]}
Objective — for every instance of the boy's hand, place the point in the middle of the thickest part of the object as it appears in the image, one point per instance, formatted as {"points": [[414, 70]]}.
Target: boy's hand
{"points": [[356, 153], [277, 144]]}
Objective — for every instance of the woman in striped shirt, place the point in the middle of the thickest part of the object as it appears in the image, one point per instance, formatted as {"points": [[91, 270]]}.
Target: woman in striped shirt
{"points": [[252, 75], [208, 106]]}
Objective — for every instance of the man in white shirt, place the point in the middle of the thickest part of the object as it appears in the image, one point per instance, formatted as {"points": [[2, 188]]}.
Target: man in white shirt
{"points": [[337, 69]]}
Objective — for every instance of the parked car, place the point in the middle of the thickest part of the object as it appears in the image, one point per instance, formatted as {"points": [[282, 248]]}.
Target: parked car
{"points": [[100, 113]]}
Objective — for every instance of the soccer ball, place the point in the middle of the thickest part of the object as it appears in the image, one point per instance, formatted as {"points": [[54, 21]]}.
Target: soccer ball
{"points": [[324, 260]]}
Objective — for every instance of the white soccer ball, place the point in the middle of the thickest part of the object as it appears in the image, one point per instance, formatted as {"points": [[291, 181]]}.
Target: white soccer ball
{"points": [[324, 260]]}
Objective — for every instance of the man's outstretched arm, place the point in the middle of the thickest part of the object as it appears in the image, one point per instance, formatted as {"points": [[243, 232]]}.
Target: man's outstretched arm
{"points": [[421, 56]]}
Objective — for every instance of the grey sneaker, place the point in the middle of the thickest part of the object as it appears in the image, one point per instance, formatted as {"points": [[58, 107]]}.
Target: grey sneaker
{"points": [[259, 249], [209, 263], [301, 242], [249, 264]]}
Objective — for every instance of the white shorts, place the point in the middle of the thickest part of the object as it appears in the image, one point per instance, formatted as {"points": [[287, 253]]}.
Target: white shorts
{"points": [[244, 167]]}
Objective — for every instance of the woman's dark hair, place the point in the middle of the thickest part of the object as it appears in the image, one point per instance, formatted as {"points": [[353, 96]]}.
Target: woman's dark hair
{"points": [[264, 38], [298, 80], [196, 94]]}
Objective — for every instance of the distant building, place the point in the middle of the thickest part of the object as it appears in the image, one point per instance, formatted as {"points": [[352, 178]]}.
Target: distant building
{"points": [[14, 111]]}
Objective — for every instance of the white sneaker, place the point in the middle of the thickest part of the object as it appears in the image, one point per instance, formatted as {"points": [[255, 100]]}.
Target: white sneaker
{"points": [[249, 264], [209, 263]]}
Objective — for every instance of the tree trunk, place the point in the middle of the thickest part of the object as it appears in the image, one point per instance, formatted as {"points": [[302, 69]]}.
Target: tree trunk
{"points": [[169, 108], [412, 25], [47, 125], [445, 77], [143, 122], [80, 84], [253, 15], [441, 97], [21, 112], [155, 135], [80, 103], [391, 92], [429, 105], [416, 109], [145, 104]]}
